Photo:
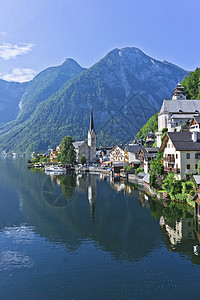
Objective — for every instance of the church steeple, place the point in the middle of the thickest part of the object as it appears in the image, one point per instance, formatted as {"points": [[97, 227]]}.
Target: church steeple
{"points": [[179, 92], [91, 121]]}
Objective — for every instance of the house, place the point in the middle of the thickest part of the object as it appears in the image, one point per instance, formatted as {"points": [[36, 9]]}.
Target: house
{"points": [[118, 155], [53, 156], [103, 154], [150, 137], [132, 154], [181, 152], [176, 112], [197, 181], [195, 124], [145, 156]]}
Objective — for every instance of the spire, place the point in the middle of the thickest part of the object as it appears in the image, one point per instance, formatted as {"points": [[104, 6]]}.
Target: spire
{"points": [[91, 121]]}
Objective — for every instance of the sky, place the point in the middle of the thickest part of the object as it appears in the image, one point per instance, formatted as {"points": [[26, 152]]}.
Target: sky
{"points": [[37, 34]]}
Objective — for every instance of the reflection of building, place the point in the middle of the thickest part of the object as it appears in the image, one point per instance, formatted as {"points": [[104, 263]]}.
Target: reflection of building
{"points": [[120, 186], [182, 230]]}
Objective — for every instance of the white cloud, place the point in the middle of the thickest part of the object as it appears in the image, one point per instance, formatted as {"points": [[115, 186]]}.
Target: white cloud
{"points": [[8, 51], [20, 75], [3, 33]]}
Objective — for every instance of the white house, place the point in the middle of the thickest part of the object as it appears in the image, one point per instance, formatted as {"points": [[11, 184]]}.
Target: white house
{"points": [[181, 152], [176, 112]]}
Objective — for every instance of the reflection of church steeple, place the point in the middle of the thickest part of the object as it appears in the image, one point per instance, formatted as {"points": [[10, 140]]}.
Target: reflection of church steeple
{"points": [[92, 139], [92, 196]]}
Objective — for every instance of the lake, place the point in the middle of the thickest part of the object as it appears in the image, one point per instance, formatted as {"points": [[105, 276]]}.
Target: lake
{"points": [[87, 237]]}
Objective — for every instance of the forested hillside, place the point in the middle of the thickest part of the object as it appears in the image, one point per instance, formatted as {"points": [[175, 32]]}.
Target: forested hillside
{"points": [[150, 126], [125, 88], [192, 84]]}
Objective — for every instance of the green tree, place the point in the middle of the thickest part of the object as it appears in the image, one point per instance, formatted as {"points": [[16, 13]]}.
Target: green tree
{"points": [[68, 153], [172, 186], [152, 179], [156, 164], [82, 160], [192, 84]]}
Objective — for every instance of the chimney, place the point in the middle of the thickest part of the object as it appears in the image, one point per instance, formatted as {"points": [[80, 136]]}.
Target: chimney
{"points": [[194, 136]]}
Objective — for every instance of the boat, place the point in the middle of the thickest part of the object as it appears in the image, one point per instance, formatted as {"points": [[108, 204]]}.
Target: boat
{"points": [[55, 169]]}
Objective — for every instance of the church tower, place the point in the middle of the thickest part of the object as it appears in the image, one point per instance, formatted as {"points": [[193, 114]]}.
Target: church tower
{"points": [[92, 140]]}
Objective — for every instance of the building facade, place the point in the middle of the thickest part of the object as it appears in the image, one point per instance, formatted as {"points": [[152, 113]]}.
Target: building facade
{"points": [[181, 152], [176, 112]]}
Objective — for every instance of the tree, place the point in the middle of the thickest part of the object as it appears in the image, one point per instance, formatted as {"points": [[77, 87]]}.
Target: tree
{"points": [[156, 164], [152, 179], [198, 167], [82, 160], [68, 153], [172, 186]]}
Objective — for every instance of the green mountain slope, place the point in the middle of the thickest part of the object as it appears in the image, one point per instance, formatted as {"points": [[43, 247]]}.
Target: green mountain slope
{"points": [[150, 126], [10, 96], [125, 89]]}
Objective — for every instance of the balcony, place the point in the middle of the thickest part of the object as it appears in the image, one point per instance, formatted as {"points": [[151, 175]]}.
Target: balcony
{"points": [[170, 159], [169, 169]]}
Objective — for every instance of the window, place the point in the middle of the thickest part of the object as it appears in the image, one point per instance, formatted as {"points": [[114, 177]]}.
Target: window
{"points": [[188, 167], [196, 167], [188, 155], [176, 156], [196, 155]]}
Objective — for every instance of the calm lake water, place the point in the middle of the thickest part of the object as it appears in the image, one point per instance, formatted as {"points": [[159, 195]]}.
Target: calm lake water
{"points": [[86, 237]]}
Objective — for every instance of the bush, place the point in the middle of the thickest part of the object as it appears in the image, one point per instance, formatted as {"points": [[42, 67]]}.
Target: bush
{"points": [[138, 170]]}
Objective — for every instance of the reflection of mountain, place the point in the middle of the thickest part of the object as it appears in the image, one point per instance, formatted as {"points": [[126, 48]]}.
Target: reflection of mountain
{"points": [[118, 223]]}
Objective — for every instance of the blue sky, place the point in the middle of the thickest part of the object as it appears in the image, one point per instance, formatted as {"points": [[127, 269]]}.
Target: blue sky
{"points": [[36, 34]]}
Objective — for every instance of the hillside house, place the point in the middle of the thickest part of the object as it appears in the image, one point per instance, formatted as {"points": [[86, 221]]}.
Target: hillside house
{"points": [[132, 154], [176, 112], [181, 152], [145, 156]]}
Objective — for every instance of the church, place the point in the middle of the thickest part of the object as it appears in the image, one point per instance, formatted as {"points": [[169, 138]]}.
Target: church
{"points": [[176, 112], [87, 149]]}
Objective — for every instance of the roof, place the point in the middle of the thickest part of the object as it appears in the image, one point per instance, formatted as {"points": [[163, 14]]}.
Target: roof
{"points": [[186, 106], [78, 144], [182, 141], [197, 178], [149, 152], [133, 148], [122, 147], [141, 174], [182, 116], [146, 178], [197, 119]]}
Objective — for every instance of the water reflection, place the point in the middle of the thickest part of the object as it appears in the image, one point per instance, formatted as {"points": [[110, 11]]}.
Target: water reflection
{"points": [[73, 208]]}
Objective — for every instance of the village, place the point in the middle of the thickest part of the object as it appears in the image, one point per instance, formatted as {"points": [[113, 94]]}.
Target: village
{"points": [[165, 163]]}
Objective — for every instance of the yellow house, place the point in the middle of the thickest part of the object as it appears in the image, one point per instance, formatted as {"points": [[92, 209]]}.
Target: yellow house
{"points": [[53, 155], [181, 152]]}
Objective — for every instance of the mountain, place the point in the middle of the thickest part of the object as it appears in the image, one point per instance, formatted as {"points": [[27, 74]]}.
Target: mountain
{"points": [[10, 95], [125, 88]]}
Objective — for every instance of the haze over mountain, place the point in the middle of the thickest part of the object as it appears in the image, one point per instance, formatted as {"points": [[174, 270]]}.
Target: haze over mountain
{"points": [[125, 88]]}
